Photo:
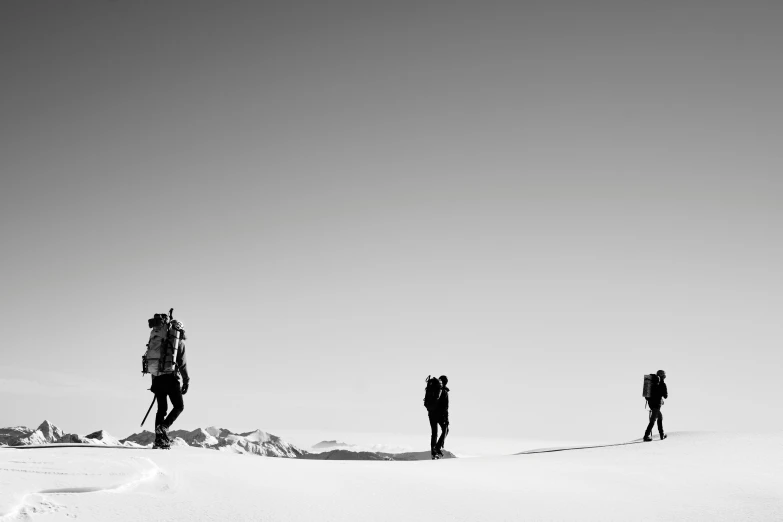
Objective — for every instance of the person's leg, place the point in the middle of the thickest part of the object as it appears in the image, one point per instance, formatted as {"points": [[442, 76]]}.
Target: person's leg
{"points": [[177, 404], [444, 430], [163, 407], [653, 416], [660, 424], [433, 432]]}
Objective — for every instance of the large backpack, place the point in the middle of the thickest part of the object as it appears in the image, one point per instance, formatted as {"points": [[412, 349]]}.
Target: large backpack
{"points": [[650, 382], [431, 393], [162, 349]]}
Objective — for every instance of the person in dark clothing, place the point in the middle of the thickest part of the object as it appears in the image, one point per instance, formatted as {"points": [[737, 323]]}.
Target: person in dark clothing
{"points": [[659, 392], [439, 416], [167, 387]]}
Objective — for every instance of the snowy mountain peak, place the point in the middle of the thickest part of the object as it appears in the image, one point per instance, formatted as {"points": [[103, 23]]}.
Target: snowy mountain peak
{"points": [[102, 437], [50, 432], [257, 436]]}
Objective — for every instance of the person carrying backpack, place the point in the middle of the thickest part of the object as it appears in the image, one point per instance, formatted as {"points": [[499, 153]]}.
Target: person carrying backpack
{"points": [[655, 401], [436, 401], [165, 358]]}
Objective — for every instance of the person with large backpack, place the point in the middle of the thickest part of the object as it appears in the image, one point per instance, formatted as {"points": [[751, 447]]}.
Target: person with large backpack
{"points": [[164, 359], [436, 400], [657, 392]]}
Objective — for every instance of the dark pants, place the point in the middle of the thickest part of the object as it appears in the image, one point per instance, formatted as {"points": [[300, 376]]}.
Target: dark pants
{"points": [[655, 414], [443, 421], [167, 386]]}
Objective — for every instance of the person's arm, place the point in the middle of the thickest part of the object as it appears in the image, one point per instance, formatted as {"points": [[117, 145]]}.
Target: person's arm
{"points": [[665, 391], [182, 363]]}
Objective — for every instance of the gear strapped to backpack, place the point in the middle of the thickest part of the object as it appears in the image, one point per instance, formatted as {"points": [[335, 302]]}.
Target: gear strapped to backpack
{"points": [[162, 349], [431, 392]]}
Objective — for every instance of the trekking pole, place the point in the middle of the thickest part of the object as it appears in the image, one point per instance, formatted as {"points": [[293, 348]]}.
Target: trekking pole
{"points": [[148, 411]]}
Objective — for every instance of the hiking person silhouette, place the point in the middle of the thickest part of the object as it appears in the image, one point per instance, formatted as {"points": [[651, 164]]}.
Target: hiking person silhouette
{"points": [[166, 386], [655, 401], [438, 414]]}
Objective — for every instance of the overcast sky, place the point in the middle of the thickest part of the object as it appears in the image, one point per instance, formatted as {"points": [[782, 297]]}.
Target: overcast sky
{"points": [[543, 202]]}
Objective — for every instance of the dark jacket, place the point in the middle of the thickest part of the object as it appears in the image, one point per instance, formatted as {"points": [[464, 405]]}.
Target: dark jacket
{"points": [[659, 392], [442, 408]]}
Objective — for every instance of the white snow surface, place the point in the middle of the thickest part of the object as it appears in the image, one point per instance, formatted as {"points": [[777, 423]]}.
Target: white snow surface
{"points": [[689, 476]]}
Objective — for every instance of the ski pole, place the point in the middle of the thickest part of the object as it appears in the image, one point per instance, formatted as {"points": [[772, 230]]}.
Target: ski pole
{"points": [[148, 411]]}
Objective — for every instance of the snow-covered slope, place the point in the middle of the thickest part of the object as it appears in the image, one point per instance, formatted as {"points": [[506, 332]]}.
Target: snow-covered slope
{"points": [[690, 476]]}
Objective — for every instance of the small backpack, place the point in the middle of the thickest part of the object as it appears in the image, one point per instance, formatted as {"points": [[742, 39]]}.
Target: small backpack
{"points": [[162, 348], [431, 392]]}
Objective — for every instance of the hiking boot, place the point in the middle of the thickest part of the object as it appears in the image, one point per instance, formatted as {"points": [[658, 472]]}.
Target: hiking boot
{"points": [[162, 433], [160, 444], [647, 438], [663, 436]]}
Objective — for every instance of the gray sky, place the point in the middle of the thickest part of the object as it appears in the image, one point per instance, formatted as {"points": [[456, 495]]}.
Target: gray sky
{"points": [[543, 202]]}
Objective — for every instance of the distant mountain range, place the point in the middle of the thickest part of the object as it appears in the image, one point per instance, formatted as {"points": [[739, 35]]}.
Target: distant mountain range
{"points": [[342, 454], [334, 450], [256, 442], [48, 433], [331, 444]]}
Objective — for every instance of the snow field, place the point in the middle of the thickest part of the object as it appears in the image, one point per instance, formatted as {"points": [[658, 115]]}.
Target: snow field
{"points": [[690, 476]]}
